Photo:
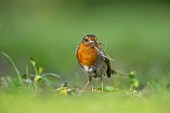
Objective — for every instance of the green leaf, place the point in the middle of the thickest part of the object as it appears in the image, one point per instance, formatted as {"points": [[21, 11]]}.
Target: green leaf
{"points": [[132, 74], [32, 61], [40, 70], [135, 82], [38, 77], [51, 74]]}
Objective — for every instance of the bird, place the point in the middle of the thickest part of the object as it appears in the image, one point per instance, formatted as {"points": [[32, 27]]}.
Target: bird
{"points": [[93, 60]]}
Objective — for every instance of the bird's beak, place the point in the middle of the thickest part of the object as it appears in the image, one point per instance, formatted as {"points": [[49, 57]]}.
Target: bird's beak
{"points": [[91, 41]]}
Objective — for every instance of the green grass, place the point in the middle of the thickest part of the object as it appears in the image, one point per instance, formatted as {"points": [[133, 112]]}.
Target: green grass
{"points": [[39, 95], [100, 103], [135, 34]]}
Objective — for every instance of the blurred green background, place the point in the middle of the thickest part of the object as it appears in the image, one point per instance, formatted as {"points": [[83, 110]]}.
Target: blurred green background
{"points": [[135, 33]]}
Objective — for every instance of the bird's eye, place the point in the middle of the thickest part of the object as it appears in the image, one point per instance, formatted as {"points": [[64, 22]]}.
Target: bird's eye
{"points": [[86, 40]]}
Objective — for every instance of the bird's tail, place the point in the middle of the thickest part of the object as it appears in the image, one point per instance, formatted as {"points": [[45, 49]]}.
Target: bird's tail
{"points": [[114, 72]]}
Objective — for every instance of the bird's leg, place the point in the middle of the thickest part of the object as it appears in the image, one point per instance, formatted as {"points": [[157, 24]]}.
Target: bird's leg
{"points": [[89, 80], [86, 84], [101, 80]]}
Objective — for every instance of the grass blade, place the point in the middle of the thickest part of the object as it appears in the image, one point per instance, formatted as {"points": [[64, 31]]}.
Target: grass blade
{"points": [[50, 74], [16, 69]]}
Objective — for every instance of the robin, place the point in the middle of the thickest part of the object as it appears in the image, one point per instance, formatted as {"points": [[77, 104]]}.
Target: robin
{"points": [[93, 60]]}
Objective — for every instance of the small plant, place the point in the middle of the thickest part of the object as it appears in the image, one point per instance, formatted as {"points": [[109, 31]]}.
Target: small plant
{"points": [[36, 80], [39, 77], [134, 83]]}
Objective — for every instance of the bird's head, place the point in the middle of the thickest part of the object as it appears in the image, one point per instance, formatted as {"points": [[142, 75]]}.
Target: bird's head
{"points": [[90, 40]]}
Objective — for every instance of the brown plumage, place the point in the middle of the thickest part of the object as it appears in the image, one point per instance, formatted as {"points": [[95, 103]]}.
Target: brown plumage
{"points": [[92, 59]]}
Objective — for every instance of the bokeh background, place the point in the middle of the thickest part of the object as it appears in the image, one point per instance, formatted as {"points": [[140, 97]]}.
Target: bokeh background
{"points": [[135, 33]]}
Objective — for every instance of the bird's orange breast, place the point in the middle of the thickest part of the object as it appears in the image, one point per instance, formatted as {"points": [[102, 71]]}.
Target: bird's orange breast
{"points": [[87, 55]]}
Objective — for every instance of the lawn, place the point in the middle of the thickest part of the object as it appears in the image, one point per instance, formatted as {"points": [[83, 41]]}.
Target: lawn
{"points": [[41, 38]]}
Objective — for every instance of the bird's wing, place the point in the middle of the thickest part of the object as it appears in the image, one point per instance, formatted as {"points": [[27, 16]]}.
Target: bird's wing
{"points": [[107, 60]]}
